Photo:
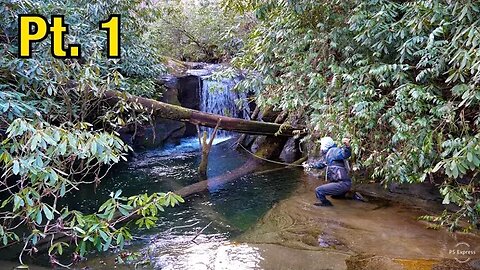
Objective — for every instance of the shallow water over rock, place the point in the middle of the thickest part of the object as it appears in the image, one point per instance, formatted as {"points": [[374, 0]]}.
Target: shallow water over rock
{"points": [[378, 227]]}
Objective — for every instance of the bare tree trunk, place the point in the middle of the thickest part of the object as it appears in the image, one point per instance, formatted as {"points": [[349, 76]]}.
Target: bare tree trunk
{"points": [[246, 168], [174, 112], [202, 168], [270, 149], [277, 134], [204, 185], [254, 116]]}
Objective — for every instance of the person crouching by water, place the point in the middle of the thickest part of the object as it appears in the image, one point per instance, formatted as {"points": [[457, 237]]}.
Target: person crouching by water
{"points": [[336, 173]]}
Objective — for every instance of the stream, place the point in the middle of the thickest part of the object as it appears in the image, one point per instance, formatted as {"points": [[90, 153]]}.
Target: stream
{"points": [[231, 210], [265, 221]]}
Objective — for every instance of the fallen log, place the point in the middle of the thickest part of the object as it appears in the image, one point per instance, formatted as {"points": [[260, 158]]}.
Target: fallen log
{"points": [[214, 183], [270, 148], [174, 112]]}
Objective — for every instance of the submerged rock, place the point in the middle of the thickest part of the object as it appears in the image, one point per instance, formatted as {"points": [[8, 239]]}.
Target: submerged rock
{"points": [[388, 233], [367, 262]]}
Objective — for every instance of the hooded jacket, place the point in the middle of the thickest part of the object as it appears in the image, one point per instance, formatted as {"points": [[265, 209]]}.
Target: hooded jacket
{"points": [[333, 159]]}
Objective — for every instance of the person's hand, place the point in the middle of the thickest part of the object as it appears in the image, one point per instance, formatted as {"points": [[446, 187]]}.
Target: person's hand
{"points": [[346, 142]]}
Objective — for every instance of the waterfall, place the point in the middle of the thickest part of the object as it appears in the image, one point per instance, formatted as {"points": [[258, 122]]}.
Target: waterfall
{"points": [[218, 97]]}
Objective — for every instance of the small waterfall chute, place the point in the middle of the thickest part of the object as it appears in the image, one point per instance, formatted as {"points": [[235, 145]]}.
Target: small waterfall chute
{"points": [[218, 97]]}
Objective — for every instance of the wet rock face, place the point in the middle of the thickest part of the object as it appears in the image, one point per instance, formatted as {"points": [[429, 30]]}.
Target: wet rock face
{"points": [[366, 262], [191, 87], [374, 234], [422, 195], [181, 89], [162, 130], [188, 91], [291, 151], [449, 264], [189, 97], [168, 81], [426, 191]]}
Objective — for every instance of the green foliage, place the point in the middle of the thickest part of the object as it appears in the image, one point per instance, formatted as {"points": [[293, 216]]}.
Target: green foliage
{"points": [[57, 133], [400, 78], [198, 31]]}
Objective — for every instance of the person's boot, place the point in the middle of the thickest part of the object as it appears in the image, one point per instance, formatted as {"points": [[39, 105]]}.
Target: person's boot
{"points": [[357, 196], [323, 203], [339, 197]]}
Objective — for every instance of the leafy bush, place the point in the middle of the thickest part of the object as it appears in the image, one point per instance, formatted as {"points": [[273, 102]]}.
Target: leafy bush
{"points": [[58, 135], [199, 30], [399, 77]]}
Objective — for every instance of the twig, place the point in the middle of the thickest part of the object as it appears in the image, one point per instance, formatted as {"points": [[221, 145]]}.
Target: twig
{"points": [[193, 240], [214, 134], [181, 227], [199, 137]]}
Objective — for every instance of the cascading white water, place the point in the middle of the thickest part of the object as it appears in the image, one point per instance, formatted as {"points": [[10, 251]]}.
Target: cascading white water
{"points": [[218, 97]]}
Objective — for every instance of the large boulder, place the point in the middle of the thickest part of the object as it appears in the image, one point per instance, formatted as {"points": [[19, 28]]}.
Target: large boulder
{"points": [[291, 151], [162, 130], [189, 91], [189, 97]]}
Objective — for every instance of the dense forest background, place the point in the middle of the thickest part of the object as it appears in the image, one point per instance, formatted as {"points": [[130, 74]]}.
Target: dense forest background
{"points": [[398, 77]]}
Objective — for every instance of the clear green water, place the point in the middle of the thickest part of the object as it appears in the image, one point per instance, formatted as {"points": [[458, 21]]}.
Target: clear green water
{"points": [[262, 221], [239, 204], [259, 221], [231, 208]]}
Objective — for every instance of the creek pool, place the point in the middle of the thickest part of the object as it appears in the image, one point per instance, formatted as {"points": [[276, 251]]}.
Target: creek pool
{"points": [[263, 221], [213, 218]]}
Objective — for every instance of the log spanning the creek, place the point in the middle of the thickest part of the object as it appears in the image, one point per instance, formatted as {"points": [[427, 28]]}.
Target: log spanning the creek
{"points": [[178, 113], [216, 182]]}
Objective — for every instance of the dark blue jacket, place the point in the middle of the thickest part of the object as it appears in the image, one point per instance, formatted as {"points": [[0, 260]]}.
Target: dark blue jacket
{"points": [[333, 159]]}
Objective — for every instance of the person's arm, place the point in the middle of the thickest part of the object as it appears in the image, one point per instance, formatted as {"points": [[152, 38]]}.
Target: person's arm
{"points": [[346, 150], [318, 165]]}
